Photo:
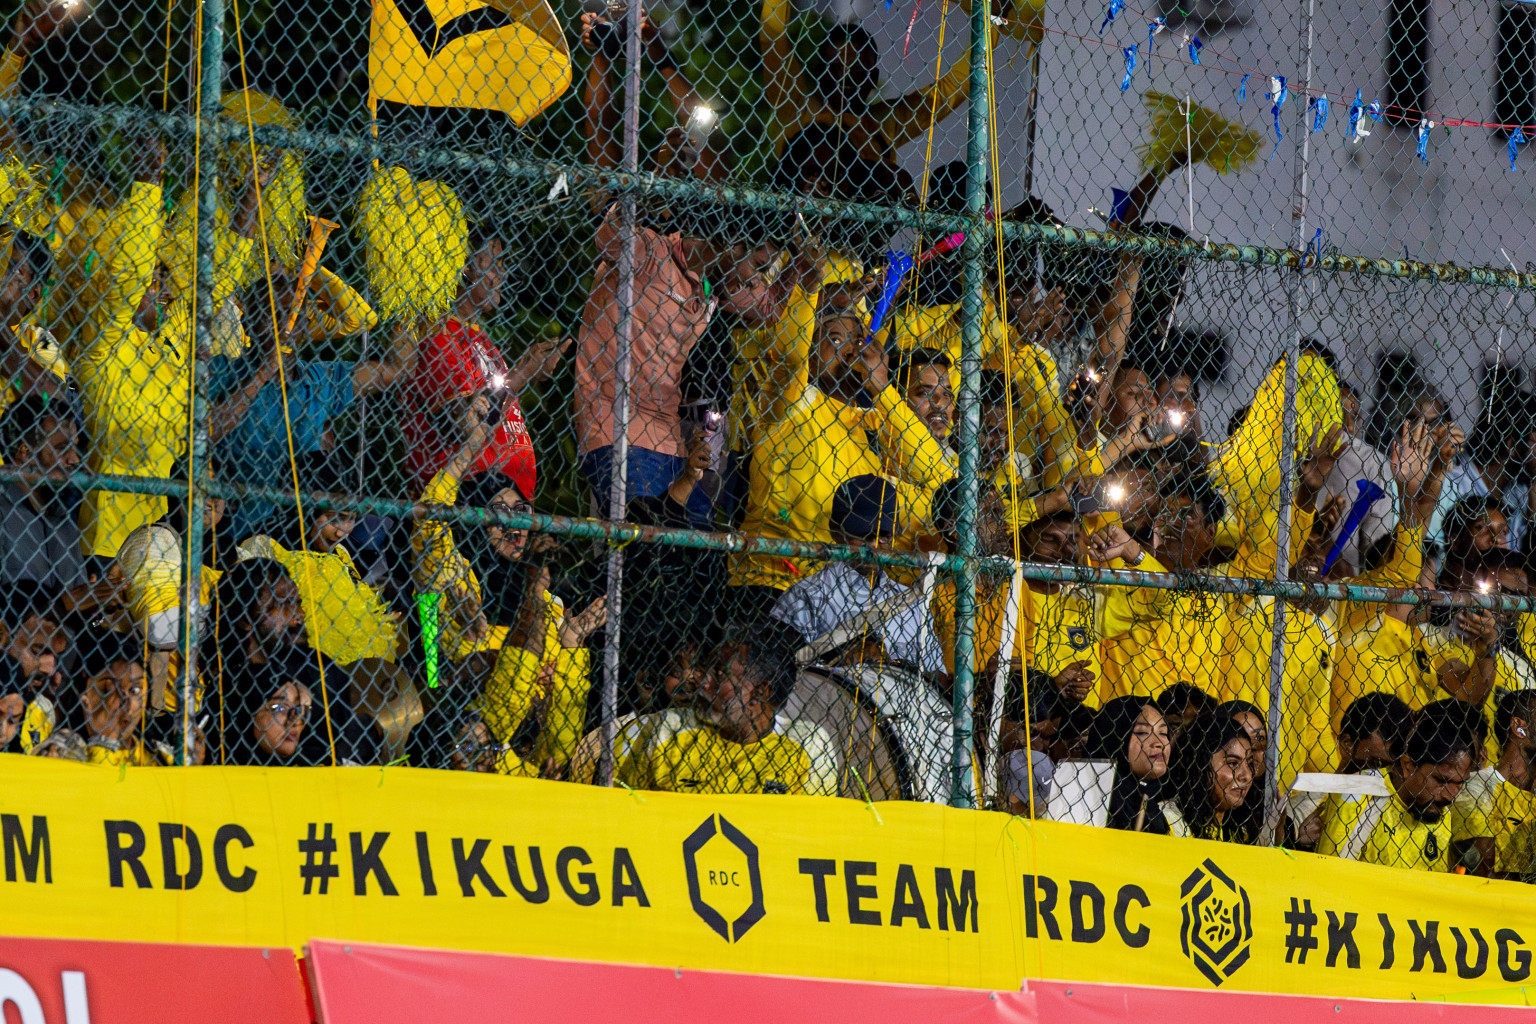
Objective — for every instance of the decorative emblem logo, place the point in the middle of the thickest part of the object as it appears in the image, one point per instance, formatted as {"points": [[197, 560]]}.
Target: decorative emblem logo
{"points": [[729, 873], [1218, 923]]}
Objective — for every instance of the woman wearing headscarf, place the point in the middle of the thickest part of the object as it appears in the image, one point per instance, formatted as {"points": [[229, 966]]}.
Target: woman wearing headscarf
{"points": [[1131, 732], [275, 707], [1210, 779]]}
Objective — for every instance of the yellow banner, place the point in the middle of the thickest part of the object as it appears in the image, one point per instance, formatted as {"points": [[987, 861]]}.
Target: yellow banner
{"points": [[779, 885]]}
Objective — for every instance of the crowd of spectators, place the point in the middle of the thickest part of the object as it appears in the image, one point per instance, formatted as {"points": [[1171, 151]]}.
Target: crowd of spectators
{"points": [[762, 399]]}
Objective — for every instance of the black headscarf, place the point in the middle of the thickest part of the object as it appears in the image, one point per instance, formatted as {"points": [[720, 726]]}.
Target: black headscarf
{"points": [[1109, 739], [245, 686]]}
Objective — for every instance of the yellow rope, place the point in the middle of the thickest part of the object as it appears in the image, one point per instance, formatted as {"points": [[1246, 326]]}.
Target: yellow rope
{"points": [[282, 373], [1002, 289]]}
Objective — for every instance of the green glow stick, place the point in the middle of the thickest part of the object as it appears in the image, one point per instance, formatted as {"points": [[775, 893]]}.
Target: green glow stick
{"points": [[426, 607]]}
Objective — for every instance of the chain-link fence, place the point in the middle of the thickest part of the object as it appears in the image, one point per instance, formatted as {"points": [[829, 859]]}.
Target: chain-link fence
{"points": [[716, 399]]}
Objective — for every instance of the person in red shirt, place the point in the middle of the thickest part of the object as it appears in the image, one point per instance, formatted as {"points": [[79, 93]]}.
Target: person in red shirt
{"points": [[457, 361]]}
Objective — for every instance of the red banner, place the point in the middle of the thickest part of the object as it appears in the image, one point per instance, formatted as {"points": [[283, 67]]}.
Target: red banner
{"points": [[63, 981], [365, 984]]}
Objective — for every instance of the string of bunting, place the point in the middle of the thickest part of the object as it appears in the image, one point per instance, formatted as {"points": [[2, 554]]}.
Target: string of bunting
{"points": [[1357, 126]]}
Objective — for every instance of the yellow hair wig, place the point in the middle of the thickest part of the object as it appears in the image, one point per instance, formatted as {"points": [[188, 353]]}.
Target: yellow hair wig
{"points": [[417, 242], [1211, 139]]}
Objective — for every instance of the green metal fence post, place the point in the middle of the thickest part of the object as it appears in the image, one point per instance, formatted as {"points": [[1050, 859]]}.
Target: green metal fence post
{"points": [[963, 793], [211, 64]]}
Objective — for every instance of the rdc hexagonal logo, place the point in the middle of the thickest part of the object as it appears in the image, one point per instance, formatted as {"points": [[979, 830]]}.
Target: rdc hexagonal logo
{"points": [[724, 882], [1218, 923]]}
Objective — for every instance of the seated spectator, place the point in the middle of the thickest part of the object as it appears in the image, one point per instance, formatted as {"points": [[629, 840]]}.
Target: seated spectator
{"points": [[1255, 727], [1408, 828], [922, 374], [266, 663], [34, 650], [113, 700], [1210, 778], [736, 743], [1373, 732], [1490, 819], [1181, 704], [39, 540], [844, 598], [13, 710], [681, 670], [1132, 733], [347, 619]]}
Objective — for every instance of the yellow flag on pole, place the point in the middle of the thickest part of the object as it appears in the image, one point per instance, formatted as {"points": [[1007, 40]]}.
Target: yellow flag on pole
{"points": [[507, 55]]}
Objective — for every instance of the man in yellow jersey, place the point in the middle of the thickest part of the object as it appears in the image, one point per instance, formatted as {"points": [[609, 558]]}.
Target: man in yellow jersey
{"points": [[735, 741], [1492, 821], [1374, 727], [1409, 828], [835, 399]]}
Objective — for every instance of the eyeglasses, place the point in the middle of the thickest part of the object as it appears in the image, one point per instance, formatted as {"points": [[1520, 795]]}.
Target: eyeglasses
{"points": [[501, 508], [289, 713]]}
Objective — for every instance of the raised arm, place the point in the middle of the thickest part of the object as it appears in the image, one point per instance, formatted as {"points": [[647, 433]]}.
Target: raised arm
{"points": [[375, 376]]}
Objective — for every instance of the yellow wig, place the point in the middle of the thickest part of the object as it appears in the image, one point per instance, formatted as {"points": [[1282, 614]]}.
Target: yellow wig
{"points": [[1211, 139], [283, 211], [417, 242], [1247, 466]]}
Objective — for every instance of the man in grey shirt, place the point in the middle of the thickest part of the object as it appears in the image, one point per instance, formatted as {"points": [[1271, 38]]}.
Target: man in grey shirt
{"points": [[39, 540]]}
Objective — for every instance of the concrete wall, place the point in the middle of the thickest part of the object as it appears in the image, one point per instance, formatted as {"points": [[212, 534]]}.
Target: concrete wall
{"points": [[1373, 198]]}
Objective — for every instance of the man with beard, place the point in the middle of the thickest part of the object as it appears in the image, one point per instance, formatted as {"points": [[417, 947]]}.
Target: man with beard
{"points": [[735, 740], [1409, 828], [39, 540], [1491, 821], [835, 400], [264, 650]]}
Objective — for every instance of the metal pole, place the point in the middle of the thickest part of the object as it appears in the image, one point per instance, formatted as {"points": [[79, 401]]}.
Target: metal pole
{"points": [[973, 308], [211, 83], [1272, 807], [1030, 118], [618, 490]]}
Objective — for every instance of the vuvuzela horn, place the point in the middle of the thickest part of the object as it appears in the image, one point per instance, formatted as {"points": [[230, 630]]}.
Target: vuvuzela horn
{"points": [[319, 230]]}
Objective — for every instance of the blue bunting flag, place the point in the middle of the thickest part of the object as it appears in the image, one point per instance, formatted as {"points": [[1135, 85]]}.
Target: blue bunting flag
{"points": [[1115, 7], [1319, 107], [1130, 66]]}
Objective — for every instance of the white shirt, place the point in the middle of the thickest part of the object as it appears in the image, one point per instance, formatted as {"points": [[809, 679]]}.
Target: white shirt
{"points": [[1360, 461], [836, 593]]}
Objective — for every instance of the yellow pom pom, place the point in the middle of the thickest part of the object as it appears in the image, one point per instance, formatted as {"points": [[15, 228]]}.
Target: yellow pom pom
{"points": [[1208, 137], [417, 241]]}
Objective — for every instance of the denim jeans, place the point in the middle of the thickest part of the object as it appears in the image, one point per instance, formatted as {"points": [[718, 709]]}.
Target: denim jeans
{"points": [[648, 474]]}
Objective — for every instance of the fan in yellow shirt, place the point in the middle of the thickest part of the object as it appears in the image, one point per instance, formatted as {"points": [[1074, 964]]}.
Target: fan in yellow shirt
{"points": [[1409, 828], [1493, 819], [820, 435], [736, 742]]}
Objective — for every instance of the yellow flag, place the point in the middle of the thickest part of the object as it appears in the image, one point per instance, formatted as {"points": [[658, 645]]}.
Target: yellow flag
{"points": [[507, 55]]}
